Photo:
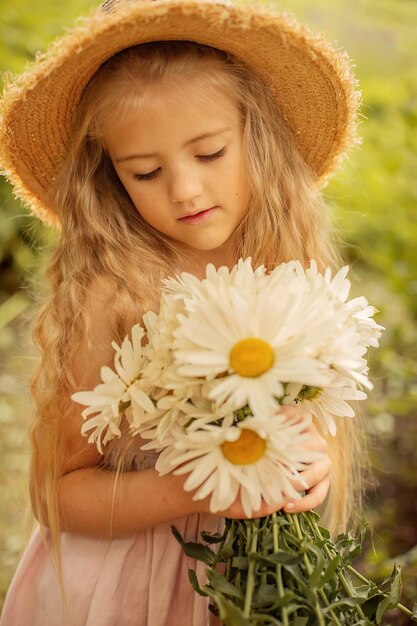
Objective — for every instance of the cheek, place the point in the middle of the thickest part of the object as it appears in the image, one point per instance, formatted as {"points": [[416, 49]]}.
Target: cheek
{"points": [[241, 188], [143, 200], [237, 175]]}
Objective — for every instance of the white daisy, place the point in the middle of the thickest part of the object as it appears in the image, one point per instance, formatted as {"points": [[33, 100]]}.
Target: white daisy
{"points": [[356, 331], [104, 403], [361, 314], [160, 334], [257, 456], [247, 348], [338, 287], [118, 391], [178, 411], [217, 283], [358, 309], [128, 360], [345, 354], [324, 402]]}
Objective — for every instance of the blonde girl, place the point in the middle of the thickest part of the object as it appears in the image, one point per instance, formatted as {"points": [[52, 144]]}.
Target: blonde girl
{"points": [[158, 137]]}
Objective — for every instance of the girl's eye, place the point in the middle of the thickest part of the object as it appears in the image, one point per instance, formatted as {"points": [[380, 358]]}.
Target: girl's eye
{"points": [[211, 157], [149, 176], [202, 157]]}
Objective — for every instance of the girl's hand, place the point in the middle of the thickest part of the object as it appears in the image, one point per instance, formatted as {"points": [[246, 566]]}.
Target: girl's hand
{"points": [[316, 477]]}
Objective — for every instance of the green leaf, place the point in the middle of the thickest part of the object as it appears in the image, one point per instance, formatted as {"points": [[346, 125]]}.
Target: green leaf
{"points": [[296, 606], [229, 613], [284, 601], [192, 577], [368, 591], [351, 602], [393, 574], [211, 537], [219, 583], [299, 621], [240, 562], [370, 606], [278, 558], [330, 570], [195, 550], [343, 540], [295, 571], [394, 596], [324, 532], [228, 549], [280, 521], [267, 595], [314, 578], [266, 619]]}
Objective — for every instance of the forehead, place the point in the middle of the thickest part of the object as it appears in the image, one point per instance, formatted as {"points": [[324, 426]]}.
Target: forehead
{"points": [[194, 96], [171, 112]]}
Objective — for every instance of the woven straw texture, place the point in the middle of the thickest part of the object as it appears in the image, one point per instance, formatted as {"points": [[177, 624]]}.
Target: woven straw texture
{"points": [[311, 80]]}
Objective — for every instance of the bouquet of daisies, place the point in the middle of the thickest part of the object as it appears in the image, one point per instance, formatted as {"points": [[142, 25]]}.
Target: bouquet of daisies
{"points": [[205, 385]]}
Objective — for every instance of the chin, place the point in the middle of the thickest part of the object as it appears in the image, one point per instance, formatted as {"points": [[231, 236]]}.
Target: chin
{"points": [[208, 246]]}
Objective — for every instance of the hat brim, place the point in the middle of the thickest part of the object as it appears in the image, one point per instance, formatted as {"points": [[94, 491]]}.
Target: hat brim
{"points": [[311, 81]]}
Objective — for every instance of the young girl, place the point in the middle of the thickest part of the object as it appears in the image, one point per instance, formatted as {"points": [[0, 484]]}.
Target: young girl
{"points": [[158, 137]]}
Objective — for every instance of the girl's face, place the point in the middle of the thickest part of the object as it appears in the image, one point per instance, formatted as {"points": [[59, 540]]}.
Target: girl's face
{"points": [[182, 155]]}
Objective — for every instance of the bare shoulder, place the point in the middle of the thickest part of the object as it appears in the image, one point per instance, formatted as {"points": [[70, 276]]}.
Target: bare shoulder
{"points": [[93, 352], [95, 347]]}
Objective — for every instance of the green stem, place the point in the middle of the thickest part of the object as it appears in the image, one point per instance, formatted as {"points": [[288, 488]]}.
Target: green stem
{"points": [[230, 558], [309, 569], [261, 537], [239, 573], [251, 575], [279, 569], [219, 550], [345, 583]]}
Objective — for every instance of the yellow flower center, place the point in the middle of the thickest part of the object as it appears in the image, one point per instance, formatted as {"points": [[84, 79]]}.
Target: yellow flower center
{"points": [[309, 393], [251, 357], [249, 448]]}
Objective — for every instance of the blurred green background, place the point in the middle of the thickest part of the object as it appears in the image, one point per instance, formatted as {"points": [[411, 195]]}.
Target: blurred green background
{"points": [[374, 200]]}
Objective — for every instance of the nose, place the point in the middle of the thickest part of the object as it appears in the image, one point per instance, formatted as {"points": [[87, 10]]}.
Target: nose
{"points": [[184, 186]]}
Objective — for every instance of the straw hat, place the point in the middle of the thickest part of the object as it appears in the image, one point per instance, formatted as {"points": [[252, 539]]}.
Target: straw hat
{"points": [[311, 81]]}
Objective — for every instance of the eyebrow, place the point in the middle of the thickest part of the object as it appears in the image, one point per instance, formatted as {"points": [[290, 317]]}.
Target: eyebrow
{"points": [[187, 143]]}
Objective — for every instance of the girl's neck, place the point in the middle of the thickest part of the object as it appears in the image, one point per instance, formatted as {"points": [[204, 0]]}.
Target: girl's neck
{"points": [[197, 260]]}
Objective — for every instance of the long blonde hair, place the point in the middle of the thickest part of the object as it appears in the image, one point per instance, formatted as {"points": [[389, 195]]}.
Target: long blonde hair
{"points": [[103, 237]]}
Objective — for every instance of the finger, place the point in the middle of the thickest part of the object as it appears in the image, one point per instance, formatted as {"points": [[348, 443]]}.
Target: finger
{"points": [[236, 511], [315, 473], [266, 509], [315, 442], [293, 412], [314, 498]]}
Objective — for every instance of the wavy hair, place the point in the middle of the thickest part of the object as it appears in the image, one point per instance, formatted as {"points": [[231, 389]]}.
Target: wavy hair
{"points": [[104, 240]]}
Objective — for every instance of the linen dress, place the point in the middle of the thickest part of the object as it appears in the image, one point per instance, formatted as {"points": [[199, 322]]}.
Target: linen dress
{"points": [[137, 580]]}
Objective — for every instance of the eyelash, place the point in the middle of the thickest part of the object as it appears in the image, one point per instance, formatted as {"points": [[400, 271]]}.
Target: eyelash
{"points": [[202, 157]]}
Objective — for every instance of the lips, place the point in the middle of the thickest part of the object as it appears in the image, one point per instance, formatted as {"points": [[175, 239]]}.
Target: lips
{"points": [[198, 217], [196, 212]]}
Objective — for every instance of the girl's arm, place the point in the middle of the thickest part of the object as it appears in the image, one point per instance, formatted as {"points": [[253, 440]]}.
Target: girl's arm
{"points": [[93, 501]]}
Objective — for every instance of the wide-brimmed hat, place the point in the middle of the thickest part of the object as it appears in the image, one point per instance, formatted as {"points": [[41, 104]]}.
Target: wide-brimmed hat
{"points": [[311, 81]]}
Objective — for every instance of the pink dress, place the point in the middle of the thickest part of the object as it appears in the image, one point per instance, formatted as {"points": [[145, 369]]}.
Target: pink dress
{"points": [[139, 580]]}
